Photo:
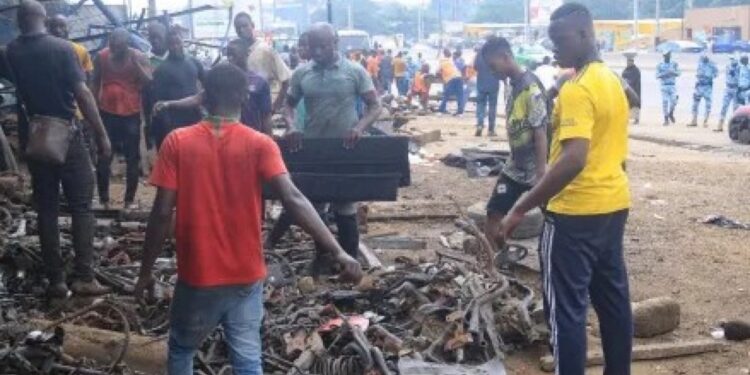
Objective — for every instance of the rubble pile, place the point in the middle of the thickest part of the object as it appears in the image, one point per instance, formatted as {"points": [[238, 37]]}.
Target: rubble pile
{"points": [[446, 312]]}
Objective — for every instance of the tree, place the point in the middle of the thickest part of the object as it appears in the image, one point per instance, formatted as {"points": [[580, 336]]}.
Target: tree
{"points": [[500, 11]]}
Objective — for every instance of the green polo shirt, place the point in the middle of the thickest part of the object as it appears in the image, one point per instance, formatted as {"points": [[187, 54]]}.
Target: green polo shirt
{"points": [[330, 96]]}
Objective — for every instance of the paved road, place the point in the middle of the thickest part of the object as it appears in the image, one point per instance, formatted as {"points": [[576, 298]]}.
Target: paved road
{"points": [[651, 94]]}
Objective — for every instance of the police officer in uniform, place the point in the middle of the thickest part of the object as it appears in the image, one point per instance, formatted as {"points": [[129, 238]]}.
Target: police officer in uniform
{"points": [[704, 87], [730, 93], [743, 82], [667, 72]]}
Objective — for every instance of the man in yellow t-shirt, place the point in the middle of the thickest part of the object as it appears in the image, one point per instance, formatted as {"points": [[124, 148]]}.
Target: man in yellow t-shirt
{"points": [[588, 197], [57, 25], [453, 83], [399, 71]]}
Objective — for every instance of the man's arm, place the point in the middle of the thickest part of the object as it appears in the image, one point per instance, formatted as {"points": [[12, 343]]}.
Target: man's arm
{"points": [[572, 161], [96, 78], [143, 67], [540, 150], [371, 115], [159, 223], [306, 217], [278, 105], [87, 104], [283, 75], [189, 102]]}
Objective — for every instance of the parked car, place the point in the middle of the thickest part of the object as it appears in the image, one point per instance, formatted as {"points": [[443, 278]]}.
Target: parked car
{"points": [[684, 46], [531, 55], [730, 46]]}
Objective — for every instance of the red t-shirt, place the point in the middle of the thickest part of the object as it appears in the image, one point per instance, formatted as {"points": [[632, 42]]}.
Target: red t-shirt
{"points": [[218, 179], [120, 93]]}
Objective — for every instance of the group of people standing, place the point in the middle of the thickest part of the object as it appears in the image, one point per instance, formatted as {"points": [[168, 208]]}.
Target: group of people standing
{"points": [[212, 166], [736, 92]]}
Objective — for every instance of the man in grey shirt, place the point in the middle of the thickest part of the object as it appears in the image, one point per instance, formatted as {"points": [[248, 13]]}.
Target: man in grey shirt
{"points": [[330, 86], [527, 121]]}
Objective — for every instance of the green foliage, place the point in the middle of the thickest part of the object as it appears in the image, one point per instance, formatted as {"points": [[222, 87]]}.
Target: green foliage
{"points": [[500, 11]]}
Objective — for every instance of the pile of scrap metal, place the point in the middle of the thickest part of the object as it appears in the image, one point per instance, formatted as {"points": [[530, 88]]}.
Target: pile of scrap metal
{"points": [[447, 312]]}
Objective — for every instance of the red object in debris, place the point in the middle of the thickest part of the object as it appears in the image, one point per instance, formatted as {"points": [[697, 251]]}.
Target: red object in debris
{"points": [[358, 321], [742, 111]]}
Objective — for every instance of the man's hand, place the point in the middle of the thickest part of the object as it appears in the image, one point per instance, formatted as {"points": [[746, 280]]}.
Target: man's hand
{"points": [[104, 146], [351, 270], [510, 222], [351, 138], [159, 107], [144, 283], [294, 139]]}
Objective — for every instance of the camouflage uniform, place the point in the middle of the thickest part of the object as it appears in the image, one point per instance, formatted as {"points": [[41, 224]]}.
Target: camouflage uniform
{"points": [[704, 86], [667, 72], [730, 93]]}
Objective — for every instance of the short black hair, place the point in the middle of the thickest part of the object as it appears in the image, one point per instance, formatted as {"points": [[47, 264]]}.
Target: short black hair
{"points": [[225, 85], [174, 30], [244, 15], [573, 9], [239, 43], [496, 45]]}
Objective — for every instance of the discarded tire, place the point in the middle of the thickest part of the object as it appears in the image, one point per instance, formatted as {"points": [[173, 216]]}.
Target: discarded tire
{"points": [[655, 316], [530, 227], [739, 126]]}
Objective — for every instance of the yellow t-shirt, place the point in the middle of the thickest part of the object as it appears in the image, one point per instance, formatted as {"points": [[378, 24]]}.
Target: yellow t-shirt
{"points": [[399, 67], [448, 70], [84, 59], [593, 106]]}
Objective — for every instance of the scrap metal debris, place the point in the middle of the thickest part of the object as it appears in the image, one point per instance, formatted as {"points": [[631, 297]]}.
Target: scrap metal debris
{"points": [[478, 162], [724, 222], [446, 312]]}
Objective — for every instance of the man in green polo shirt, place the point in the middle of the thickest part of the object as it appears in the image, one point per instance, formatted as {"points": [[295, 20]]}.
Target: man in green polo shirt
{"points": [[330, 86]]}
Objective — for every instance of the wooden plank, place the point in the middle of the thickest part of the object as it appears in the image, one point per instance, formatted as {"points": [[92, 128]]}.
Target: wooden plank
{"points": [[371, 260], [649, 352], [425, 138], [396, 243]]}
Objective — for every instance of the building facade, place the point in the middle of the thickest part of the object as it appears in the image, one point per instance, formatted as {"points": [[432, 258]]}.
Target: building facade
{"points": [[724, 22]]}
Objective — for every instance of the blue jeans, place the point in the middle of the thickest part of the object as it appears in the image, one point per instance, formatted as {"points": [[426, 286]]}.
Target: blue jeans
{"points": [[454, 87], [485, 99], [196, 312], [402, 85]]}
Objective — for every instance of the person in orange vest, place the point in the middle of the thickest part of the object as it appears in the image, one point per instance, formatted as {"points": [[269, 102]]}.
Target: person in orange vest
{"points": [[420, 87], [453, 83]]}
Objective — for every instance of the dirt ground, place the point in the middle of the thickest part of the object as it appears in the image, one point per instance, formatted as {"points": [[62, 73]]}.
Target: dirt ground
{"points": [[677, 177]]}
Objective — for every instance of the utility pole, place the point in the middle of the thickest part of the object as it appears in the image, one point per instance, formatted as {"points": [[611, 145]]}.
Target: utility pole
{"points": [[526, 20], [260, 15], [440, 22], [636, 30], [329, 8], [420, 27], [152, 8], [349, 16], [658, 22]]}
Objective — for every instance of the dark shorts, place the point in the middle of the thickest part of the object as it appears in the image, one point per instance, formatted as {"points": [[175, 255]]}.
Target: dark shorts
{"points": [[505, 194]]}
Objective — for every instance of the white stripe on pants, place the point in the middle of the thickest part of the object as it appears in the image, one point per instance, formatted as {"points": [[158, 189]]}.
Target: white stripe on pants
{"points": [[548, 236]]}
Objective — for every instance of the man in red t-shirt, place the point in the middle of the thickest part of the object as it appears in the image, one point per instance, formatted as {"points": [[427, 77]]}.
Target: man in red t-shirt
{"points": [[120, 73], [213, 173]]}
